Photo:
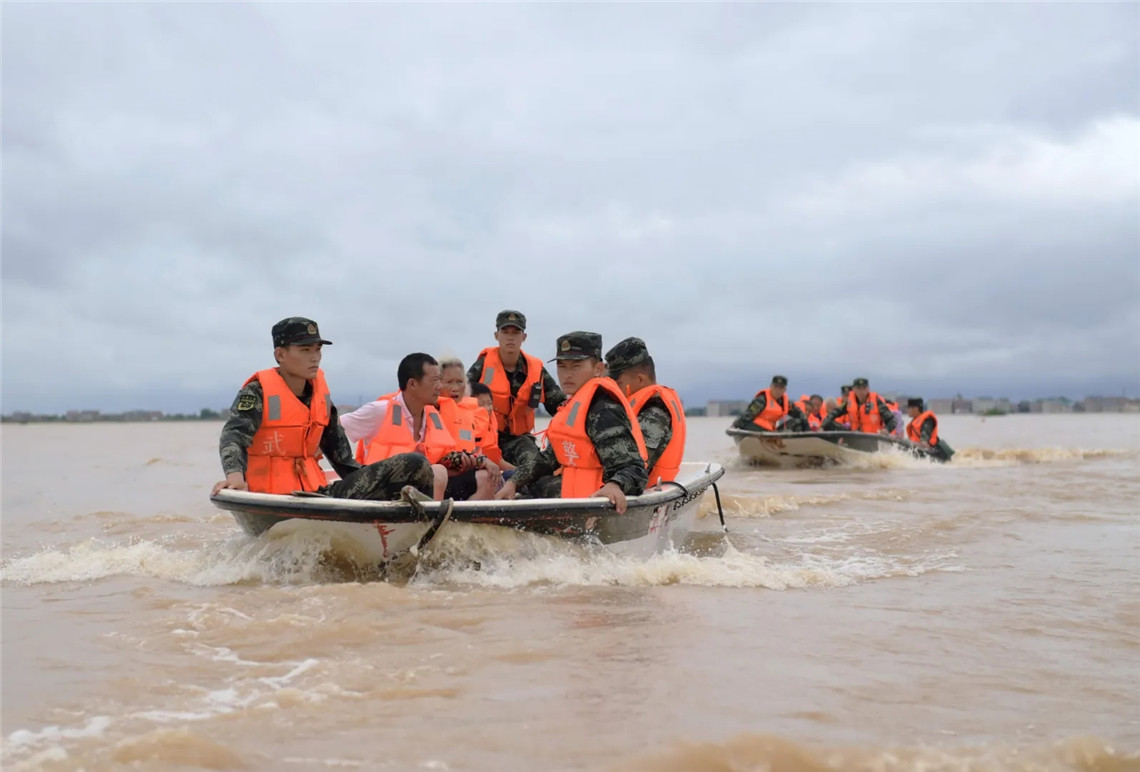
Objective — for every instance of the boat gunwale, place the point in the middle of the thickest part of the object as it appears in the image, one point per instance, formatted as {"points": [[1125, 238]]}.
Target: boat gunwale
{"points": [[830, 435], [318, 507]]}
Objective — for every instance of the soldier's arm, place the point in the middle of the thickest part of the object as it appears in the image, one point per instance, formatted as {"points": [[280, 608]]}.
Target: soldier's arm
{"points": [[829, 422], [755, 408], [926, 431], [475, 372], [657, 428], [553, 396], [336, 447], [539, 465], [887, 416], [608, 427], [241, 424]]}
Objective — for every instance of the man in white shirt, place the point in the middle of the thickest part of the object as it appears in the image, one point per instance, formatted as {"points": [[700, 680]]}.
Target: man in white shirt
{"points": [[380, 428]]}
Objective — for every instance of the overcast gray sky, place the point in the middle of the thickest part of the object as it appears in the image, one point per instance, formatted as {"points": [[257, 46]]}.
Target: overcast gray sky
{"points": [[943, 198]]}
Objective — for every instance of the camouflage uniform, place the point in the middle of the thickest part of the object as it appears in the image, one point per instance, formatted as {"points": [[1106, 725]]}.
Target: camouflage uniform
{"points": [[517, 448], [607, 426], [654, 418], [941, 450], [656, 427], [797, 421], [380, 481]]}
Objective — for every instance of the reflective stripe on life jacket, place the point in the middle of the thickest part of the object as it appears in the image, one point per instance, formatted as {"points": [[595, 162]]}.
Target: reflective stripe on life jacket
{"points": [[669, 462], [575, 451], [395, 436], [459, 419], [282, 456], [865, 417], [774, 410], [914, 428], [513, 414]]}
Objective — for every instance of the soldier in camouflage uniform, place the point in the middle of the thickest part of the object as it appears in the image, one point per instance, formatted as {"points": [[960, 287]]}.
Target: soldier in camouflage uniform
{"points": [[510, 333], [607, 425], [624, 362], [796, 420], [298, 337], [860, 392]]}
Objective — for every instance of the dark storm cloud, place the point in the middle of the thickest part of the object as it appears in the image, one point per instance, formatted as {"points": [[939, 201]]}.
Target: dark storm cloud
{"points": [[939, 196]]}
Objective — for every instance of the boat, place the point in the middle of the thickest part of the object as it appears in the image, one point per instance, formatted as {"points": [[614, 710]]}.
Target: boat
{"points": [[653, 522], [808, 449]]}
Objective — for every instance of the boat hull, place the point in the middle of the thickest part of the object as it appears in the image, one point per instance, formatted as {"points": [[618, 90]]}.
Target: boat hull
{"points": [[808, 449], [657, 520]]}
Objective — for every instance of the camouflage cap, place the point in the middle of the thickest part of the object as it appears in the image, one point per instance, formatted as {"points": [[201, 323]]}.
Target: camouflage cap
{"points": [[578, 345], [297, 331], [860, 382], [914, 402], [626, 354], [779, 380], [510, 318]]}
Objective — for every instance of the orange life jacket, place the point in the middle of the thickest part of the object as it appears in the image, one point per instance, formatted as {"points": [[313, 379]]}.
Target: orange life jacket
{"points": [[514, 415], [575, 451], [865, 417], [773, 410], [914, 428], [813, 419], [816, 418], [487, 435], [395, 436], [282, 457], [459, 419], [669, 463]]}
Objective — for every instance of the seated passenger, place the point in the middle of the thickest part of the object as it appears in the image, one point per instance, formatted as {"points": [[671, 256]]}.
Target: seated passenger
{"points": [[460, 415], [771, 410], [408, 421], [594, 439], [283, 421], [864, 410], [486, 429], [659, 411], [923, 430]]}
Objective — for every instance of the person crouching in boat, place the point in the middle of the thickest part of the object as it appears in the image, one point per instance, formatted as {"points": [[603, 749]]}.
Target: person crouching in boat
{"points": [[771, 410], [595, 442], [923, 431], [467, 422], [409, 422], [659, 411], [283, 420], [811, 407], [864, 410], [518, 383], [487, 428]]}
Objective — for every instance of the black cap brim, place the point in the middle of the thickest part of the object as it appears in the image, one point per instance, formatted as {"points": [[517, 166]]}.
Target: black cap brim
{"points": [[570, 356], [308, 342]]}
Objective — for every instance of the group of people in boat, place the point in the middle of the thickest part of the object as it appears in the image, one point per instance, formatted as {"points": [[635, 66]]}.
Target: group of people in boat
{"points": [[857, 409], [447, 433]]}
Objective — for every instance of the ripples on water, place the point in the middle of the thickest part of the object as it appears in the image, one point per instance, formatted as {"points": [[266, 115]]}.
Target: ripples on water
{"points": [[975, 616]]}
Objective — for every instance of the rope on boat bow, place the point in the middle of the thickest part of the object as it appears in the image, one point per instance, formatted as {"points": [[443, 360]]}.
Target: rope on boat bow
{"points": [[719, 508]]}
